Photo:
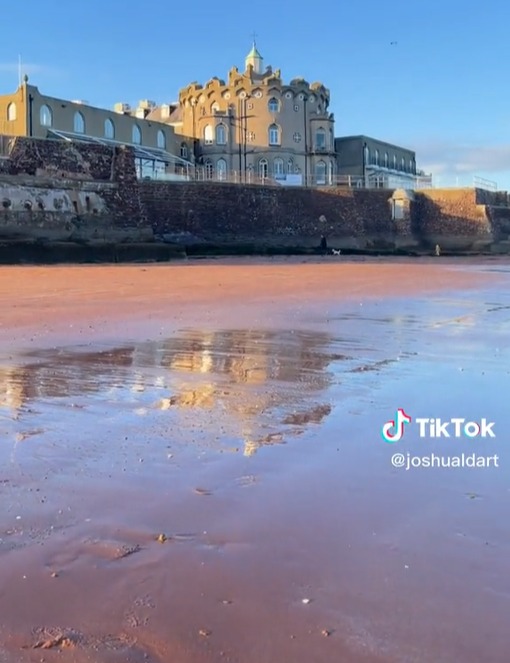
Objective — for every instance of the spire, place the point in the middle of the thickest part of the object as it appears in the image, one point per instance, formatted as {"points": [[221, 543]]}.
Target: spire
{"points": [[254, 58]]}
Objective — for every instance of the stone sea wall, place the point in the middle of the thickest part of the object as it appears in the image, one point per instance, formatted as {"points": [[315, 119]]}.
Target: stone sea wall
{"points": [[55, 193]]}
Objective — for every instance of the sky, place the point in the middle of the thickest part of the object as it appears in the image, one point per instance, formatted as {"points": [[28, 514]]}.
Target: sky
{"points": [[431, 76]]}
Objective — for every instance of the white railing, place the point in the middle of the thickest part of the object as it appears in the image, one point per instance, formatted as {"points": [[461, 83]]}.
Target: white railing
{"points": [[481, 183], [202, 174]]}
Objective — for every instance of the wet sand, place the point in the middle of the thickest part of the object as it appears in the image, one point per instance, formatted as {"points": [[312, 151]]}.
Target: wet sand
{"points": [[236, 408]]}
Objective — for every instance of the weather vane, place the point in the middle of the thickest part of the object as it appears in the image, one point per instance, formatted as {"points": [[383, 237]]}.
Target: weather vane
{"points": [[254, 35]]}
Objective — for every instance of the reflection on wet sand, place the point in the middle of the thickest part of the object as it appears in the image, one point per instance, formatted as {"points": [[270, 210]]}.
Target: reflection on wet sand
{"points": [[257, 384]]}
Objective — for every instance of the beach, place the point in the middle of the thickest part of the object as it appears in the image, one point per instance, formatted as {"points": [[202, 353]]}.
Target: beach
{"points": [[192, 468]]}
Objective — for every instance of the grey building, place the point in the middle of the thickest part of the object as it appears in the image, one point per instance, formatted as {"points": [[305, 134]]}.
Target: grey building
{"points": [[370, 162]]}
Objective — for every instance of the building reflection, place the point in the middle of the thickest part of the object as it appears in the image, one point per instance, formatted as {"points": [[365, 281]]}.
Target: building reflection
{"points": [[253, 382]]}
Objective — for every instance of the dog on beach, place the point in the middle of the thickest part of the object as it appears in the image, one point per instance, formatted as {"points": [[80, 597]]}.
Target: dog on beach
{"points": [[336, 252]]}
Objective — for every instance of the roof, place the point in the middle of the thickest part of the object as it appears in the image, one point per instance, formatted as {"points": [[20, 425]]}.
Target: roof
{"points": [[141, 152], [254, 52]]}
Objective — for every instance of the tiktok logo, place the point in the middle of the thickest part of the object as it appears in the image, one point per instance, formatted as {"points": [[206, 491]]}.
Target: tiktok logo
{"points": [[393, 431]]}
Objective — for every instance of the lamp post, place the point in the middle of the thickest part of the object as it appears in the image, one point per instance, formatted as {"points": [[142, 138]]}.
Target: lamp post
{"points": [[364, 165], [305, 99], [193, 105]]}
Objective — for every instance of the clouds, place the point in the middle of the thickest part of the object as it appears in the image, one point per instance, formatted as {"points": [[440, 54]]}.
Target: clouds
{"points": [[451, 158]]}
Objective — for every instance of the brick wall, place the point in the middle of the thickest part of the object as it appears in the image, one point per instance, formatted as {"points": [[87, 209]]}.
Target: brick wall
{"points": [[213, 210], [57, 158], [84, 162], [450, 212]]}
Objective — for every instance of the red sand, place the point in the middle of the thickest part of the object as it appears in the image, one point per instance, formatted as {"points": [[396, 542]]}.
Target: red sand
{"points": [[232, 587]]}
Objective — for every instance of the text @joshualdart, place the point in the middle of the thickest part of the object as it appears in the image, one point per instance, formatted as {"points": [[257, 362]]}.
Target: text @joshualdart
{"points": [[433, 428]]}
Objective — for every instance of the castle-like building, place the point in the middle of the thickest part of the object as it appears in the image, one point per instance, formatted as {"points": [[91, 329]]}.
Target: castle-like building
{"points": [[254, 126]]}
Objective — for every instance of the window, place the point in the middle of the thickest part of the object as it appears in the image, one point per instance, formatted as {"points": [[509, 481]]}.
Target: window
{"points": [[278, 167], [79, 123], [394, 162], [297, 137], [320, 172], [208, 170], [215, 107], [376, 158], [273, 105], [221, 170], [221, 134], [367, 156], [411, 166], [402, 164], [46, 116], [296, 107], [274, 134], [184, 151], [386, 159], [161, 140], [263, 169], [290, 166], [320, 139], [331, 173], [208, 134], [109, 128], [288, 95], [11, 112], [137, 135]]}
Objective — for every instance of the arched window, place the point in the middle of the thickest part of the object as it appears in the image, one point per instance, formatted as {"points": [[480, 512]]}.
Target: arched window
{"points": [[290, 166], [184, 151], [278, 168], [161, 139], [109, 128], [394, 162], [215, 107], [402, 164], [208, 134], [320, 139], [221, 134], [263, 169], [386, 159], [411, 166], [273, 105], [208, 170], [11, 112], [320, 172], [221, 170], [45, 116], [137, 135], [367, 156], [376, 159], [274, 134], [79, 123], [331, 173]]}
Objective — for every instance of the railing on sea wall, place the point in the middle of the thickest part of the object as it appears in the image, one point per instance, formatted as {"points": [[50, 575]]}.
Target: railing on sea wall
{"points": [[238, 177]]}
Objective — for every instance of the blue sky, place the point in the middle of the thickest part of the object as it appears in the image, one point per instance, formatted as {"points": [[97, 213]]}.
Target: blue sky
{"points": [[441, 90]]}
